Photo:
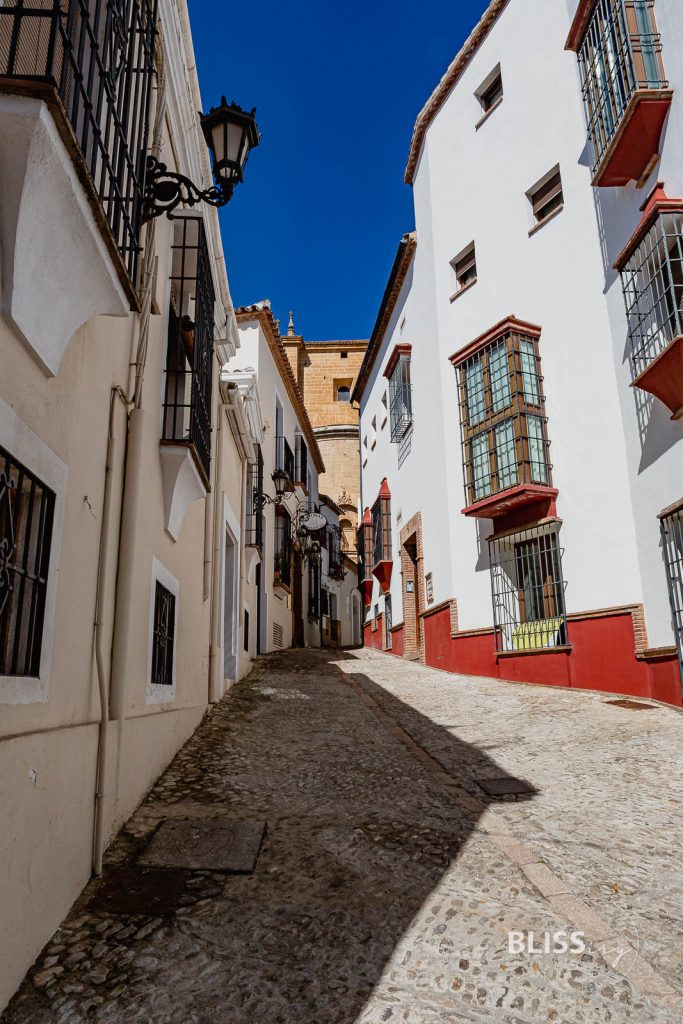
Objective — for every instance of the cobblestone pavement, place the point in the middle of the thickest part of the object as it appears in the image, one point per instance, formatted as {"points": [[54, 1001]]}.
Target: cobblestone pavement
{"points": [[388, 881]]}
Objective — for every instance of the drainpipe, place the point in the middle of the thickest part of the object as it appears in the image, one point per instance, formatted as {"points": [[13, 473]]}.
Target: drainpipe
{"points": [[100, 659], [208, 532], [215, 667]]}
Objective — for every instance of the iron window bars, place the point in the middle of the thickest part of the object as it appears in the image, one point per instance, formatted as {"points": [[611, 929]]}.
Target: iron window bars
{"points": [[163, 638], [621, 53], [652, 281], [189, 357], [671, 525], [254, 524], [400, 399], [502, 417], [282, 562], [284, 459], [365, 548], [333, 543], [527, 588], [98, 57], [314, 589], [301, 460], [26, 518], [388, 622], [381, 530]]}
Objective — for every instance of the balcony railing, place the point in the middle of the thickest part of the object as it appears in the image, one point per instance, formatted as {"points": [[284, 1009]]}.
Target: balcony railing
{"points": [[284, 458], [189, 357], [254, 519], [652, 280], [93, 61], [620, 56], [502, 414], [282, 561]]}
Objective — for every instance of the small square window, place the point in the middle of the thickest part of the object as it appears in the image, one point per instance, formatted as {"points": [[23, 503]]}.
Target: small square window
{"points": [[344, 355], [546, 197], [465, 268], [490, 93]]}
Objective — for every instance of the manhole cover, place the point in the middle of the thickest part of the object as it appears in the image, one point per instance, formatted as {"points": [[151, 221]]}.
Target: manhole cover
{"points": [[506, 786], [205, 845], [134, 891], [632, 705]]}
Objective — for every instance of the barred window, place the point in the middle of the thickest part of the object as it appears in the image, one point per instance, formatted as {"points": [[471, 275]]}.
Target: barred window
{"points": [[652, 281], [528, 589], [364, 540], [671, 523], [400, 399], [502, 415], [300, 460], [314, 589], [189, 354], [282, 563], [26, 519], [381, 530], [284, 457], [163, 637], [387, 622], [620, 53], [254, 517], [97, 56]]}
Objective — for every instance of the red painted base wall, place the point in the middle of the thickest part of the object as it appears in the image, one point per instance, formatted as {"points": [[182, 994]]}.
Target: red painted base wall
{"points": [[397, 642], [602, 658], [374, 638]]}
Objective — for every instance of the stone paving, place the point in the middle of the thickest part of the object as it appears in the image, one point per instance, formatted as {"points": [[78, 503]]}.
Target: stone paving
{"points": [[388, 881]]}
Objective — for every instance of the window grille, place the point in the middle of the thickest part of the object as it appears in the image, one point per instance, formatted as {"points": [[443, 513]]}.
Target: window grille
{"points": [[381, 530], [671, 524], [284, 459], [26, 518], [283, 547], [652, 281], [98, 56], [400, 400], [254, 523], [163, 639], [502, 417], [313, 589], [365, 548], [387, 622], [301, 459], [620, 53], [528, 589], [334, 558], [189, 355]]}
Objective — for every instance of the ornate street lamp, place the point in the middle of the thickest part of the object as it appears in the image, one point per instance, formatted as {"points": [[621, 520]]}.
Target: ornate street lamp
{"points": [[231, 134], [280, 479]]}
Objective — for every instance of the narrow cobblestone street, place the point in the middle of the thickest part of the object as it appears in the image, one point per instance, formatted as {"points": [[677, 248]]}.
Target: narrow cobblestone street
{"points": [[388, 880]]}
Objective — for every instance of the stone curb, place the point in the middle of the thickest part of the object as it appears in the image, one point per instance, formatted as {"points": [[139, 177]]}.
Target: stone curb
{"points": [[612, 947]]}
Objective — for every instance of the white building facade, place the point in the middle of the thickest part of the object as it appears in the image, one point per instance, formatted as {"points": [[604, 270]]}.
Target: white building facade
{"points": [[522, 464]]}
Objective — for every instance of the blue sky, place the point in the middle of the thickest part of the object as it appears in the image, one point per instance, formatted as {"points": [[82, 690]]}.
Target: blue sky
{"points": [[337, 87]]}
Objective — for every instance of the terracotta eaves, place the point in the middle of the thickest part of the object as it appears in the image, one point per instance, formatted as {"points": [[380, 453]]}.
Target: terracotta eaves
{"points": [[402, 261], [264, 315], [454, 72]]}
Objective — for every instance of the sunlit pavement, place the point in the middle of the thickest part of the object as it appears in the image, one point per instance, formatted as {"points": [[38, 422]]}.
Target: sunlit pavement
{"points": [[390, 880]]}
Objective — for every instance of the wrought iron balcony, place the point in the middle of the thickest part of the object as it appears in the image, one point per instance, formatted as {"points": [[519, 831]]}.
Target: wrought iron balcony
{"points": [[382, 561], [625, 91], [651, 268], [505, 447], [92, 61], [254, 507], [189, 357]]}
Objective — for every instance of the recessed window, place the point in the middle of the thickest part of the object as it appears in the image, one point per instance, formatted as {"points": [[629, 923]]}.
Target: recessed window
{"points": [[490, 94], [163, 637], [344, 394], [344, 355], [26, 517], [546, 197], [465, 268]]}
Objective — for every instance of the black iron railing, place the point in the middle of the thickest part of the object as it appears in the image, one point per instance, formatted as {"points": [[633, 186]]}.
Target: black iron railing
{"points": [[189, 358], [381, 531], [528, 589], [163, 637], [671, 522], [652, 281], [400, 399], [254, 523], [26, 517], [97, 57], [620, 53], [282, 563]]}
